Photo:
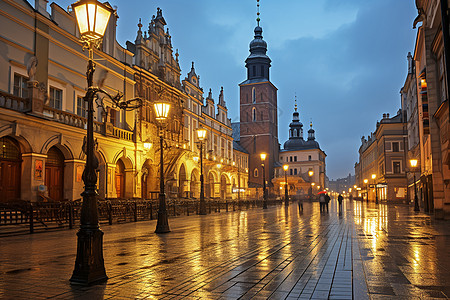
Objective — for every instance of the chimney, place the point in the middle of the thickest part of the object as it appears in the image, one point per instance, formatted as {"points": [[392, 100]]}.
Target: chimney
{"points": [[384, 116], [41, 7], [387, 116]]}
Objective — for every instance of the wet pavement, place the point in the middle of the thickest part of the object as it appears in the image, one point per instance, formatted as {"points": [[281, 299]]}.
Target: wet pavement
{"points": [[366, 252]]}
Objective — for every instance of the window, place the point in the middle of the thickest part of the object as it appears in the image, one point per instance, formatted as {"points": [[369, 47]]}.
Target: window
{"points": [[290, 171], [281, 158], [290, 158], [55, 98], [253, 114], [395, 147], [396, 167], [81, 107], [113, 116], [295, 171], [309, 157], [295, 158], [20, 86], [253, 95], [255, 173]]}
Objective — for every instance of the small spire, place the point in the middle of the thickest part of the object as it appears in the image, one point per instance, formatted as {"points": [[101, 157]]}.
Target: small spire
{"points": [[257, 12], [176, 55], [295, 106], [140, 24], [192, 68], [310, 124]]}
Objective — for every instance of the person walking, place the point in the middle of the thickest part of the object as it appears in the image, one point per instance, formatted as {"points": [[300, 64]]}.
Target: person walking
{"points": [[340, 198], [327, 200], [322, 200]]}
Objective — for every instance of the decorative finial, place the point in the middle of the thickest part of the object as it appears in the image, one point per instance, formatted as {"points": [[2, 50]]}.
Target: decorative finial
{"points": [[192, 65], [310, 124], [140, 24], [257, 12], [295, 106], [176, 55]]}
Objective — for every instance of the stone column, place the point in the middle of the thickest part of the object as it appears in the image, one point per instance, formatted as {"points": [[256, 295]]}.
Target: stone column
{"points": [[36, 98], [33, 175]]}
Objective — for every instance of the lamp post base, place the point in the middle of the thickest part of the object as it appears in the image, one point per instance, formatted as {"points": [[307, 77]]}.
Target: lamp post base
{"points": [[163, 222], [89, 264], [202, 210], [162, 226]]}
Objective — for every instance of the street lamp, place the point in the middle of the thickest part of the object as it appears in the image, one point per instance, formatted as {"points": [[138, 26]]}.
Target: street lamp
{"points": [[413, 163], [374, 176], [263, 159], [310, 174], [201, 134], [367, 192], [161, 113], [92, 18], [286, 193]]}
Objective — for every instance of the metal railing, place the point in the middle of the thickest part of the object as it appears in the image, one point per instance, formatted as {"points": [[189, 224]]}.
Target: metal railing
{"points": [[24, 216]]}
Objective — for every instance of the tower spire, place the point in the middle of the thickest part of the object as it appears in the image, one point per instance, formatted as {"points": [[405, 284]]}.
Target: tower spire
{"points": [[257, 12], [295, 106]]}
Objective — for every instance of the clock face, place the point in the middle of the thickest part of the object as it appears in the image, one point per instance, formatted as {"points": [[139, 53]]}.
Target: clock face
{"points": [[194, 80]]}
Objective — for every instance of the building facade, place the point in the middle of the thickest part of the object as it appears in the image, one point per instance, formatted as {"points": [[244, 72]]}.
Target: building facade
{"points": [[43, 114], [428, 87], [382, 166], [301, 156]]}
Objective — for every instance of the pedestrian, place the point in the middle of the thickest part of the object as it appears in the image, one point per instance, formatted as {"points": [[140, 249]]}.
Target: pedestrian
{"points": [[322, 200], [300, 204], [340, 198], [327, 200]]}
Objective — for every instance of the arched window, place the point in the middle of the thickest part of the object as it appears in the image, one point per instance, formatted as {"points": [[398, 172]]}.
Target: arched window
{"points": [[295, 133], [253, 114], [262, 71], [255, 173], [253, 95]]}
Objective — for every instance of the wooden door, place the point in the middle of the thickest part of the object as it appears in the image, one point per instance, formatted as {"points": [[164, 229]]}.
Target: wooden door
{"points": [[119, 185], [54, 174], [9, 180], [54, 182]]}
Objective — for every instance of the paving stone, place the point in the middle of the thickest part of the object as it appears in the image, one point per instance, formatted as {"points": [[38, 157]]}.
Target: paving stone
{"points": [[368, 252]]}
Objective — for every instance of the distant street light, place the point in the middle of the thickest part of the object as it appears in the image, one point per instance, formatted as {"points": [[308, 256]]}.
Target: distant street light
{"points": [[374, 176], [367, 192], [413, 163], [201, 134], [310, 174], [286, 193], [263, 159], [162, 112]]}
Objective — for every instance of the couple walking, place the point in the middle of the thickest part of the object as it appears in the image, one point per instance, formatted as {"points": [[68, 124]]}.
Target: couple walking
{"points": [[324, 199]]}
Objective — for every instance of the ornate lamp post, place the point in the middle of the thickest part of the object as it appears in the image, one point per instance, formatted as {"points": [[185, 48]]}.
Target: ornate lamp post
{"points": [[92, 18], [286, 193], [374, 176], [310, 174], [263, 159], [413, 163], [161, 112], [201, 134], [367, 192]]}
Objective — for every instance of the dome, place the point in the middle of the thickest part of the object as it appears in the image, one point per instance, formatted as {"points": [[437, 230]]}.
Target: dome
{"points": [[300, 144], [258, 45]]}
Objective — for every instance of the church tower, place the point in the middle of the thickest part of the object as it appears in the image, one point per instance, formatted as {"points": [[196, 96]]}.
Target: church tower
{"points": [[258, 111]]}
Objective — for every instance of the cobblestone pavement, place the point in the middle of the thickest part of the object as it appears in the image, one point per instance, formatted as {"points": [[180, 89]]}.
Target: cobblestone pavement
{"points": [[366, 252]]}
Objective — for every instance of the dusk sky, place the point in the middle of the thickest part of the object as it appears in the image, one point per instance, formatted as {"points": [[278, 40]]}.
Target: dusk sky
{"points": [[345, 60]]}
